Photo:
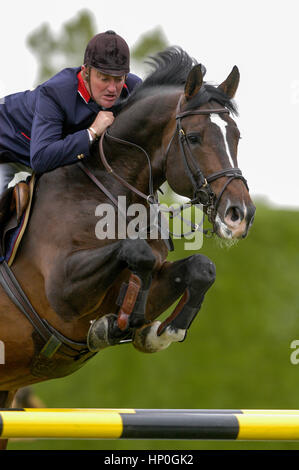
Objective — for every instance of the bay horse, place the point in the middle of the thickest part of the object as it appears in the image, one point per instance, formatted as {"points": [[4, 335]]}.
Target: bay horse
{"points": [[86, 293]]}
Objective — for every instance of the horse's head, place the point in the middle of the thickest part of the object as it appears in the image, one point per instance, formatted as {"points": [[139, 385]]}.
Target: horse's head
{"points": [[201, 160]]}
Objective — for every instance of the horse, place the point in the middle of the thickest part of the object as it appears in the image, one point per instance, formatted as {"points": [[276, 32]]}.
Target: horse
{"points": [[79, 293]]}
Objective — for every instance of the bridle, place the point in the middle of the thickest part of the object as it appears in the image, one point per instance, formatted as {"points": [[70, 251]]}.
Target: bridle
{"points": [[202, 191]]}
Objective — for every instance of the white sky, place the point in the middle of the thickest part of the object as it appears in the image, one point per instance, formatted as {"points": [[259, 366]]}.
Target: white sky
{"points": [[261, 37]]}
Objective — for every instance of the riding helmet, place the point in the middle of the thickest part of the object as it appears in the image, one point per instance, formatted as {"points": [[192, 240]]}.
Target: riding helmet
{"points": [[109, 53]]}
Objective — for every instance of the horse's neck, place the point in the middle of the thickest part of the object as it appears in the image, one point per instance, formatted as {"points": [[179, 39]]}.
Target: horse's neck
{"points": [[142, 124], [146, 118]]}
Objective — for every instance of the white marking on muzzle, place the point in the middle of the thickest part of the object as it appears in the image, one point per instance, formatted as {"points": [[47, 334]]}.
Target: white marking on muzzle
{"points": [[222, 227]]}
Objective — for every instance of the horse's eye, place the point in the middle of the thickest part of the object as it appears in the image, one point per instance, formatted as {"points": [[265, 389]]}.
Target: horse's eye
{"points": [[194, 138]]}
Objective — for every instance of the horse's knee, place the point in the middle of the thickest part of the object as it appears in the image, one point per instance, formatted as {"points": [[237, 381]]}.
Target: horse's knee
{"points": [[138, 255]]}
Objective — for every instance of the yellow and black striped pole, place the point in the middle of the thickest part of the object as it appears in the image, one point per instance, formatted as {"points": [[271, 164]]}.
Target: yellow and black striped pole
{"points": [[150, 424]]}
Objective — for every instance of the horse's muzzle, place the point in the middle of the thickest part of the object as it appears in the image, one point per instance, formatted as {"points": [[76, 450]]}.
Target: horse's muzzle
{"points": [[236, 222]]}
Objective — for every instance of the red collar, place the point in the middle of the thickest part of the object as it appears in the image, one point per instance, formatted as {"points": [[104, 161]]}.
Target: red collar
{"points": [[82, 90]]}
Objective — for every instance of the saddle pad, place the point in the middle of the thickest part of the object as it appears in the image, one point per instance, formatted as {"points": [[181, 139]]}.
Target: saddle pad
{"points": [[14, 232]]}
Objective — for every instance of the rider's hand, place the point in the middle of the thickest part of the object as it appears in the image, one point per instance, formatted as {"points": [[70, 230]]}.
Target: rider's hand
{"points": [[103, 120]]}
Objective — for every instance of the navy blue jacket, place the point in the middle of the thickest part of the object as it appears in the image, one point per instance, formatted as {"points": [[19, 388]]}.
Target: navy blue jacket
{"points": [[47, 127]]}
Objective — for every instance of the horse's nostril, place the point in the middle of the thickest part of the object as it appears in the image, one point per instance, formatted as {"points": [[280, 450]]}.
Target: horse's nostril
{"points": [[235, 214]]}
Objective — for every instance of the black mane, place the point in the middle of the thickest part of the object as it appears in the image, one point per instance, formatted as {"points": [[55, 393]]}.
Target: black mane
{"points": [[171, 67]]}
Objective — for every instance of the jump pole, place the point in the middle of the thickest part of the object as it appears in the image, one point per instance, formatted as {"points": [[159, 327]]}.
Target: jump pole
{"points": [[242, 425]]}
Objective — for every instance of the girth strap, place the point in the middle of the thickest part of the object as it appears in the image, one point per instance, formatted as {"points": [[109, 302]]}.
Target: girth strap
{"points": [[53, 339]]}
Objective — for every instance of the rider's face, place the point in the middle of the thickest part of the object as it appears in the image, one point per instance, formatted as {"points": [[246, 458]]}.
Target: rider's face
{"points": [[105, 89]]}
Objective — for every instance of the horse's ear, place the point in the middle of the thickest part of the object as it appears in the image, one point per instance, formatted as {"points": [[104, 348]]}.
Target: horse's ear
{"points": [[194, 81], [230, 85]]}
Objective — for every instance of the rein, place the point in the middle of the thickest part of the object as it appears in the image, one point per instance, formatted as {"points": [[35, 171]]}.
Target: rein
{"points": [[150, 198]]}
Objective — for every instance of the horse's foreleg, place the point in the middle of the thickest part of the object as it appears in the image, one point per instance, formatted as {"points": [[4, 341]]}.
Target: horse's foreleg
{"points": [[140, 260], [138, 257], [189, 278]]}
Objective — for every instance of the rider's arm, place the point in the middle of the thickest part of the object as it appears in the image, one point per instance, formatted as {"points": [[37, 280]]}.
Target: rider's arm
{"points": [[49, 149]]}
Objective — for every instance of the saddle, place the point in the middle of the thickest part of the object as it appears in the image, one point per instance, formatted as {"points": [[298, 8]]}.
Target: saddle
{"points": [[15, 205]]}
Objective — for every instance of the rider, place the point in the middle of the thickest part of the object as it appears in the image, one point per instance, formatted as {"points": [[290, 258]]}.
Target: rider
{"points": [[55, 124]]}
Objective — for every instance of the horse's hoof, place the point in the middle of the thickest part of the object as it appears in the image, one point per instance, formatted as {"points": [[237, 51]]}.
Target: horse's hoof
{"points": [[98, 334], [105, 332]]}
